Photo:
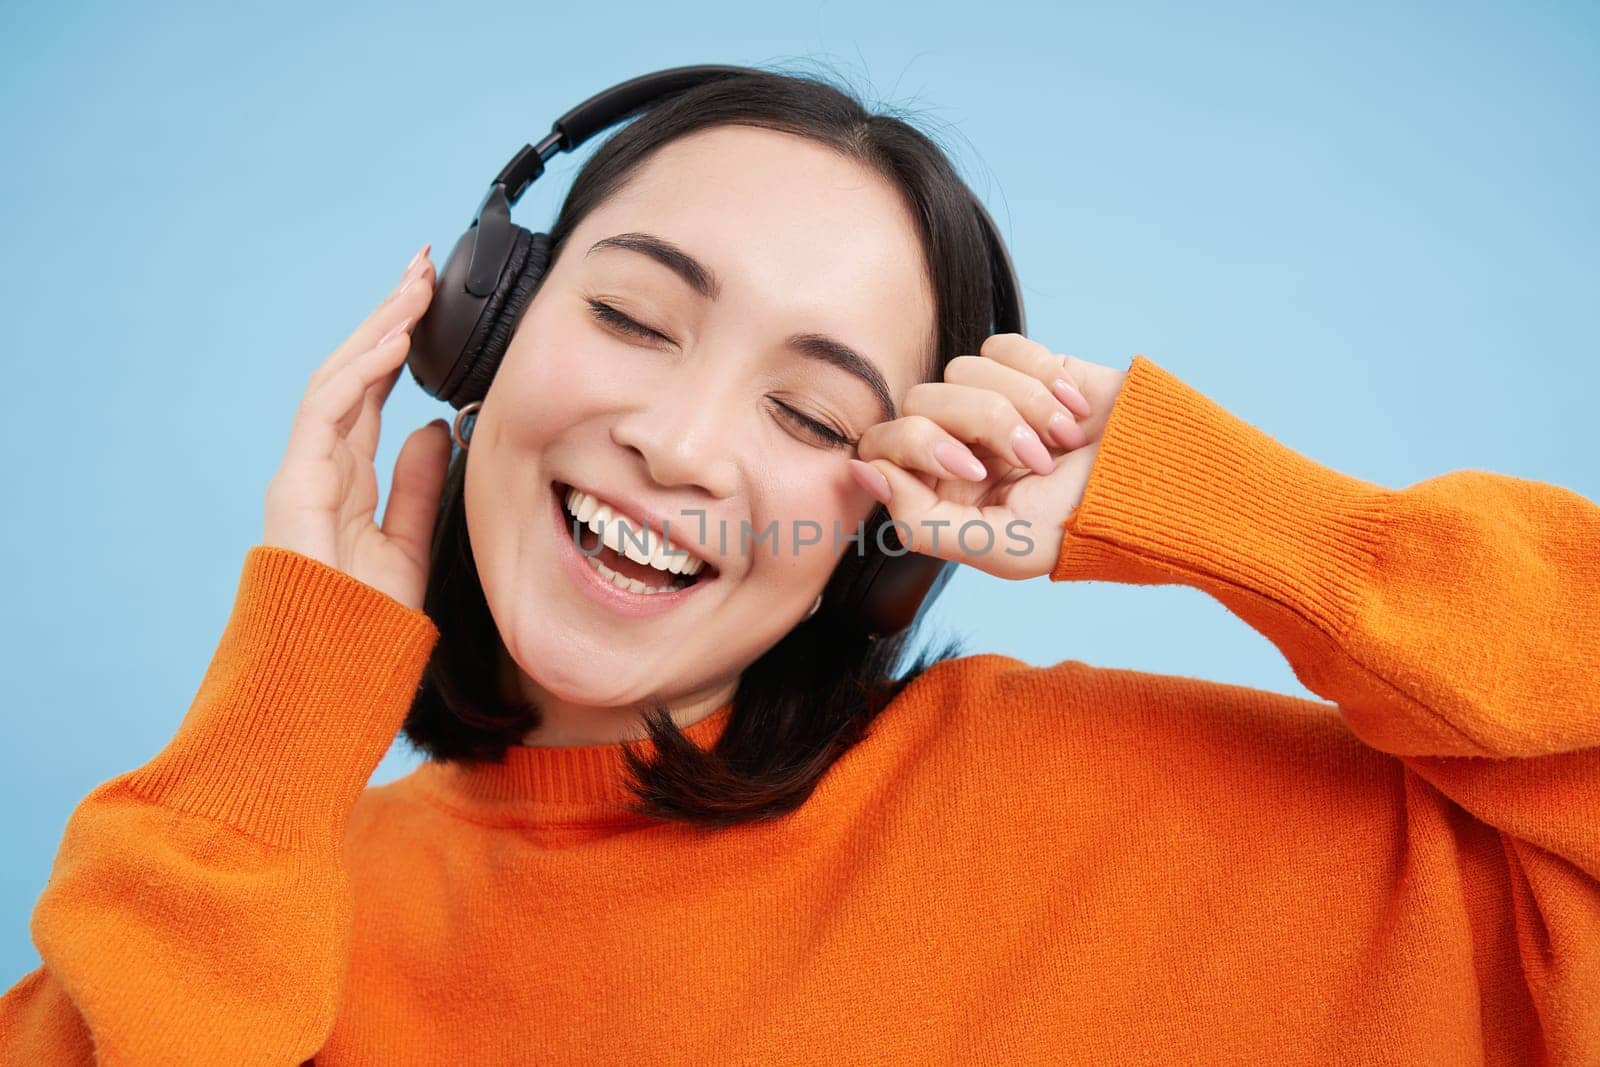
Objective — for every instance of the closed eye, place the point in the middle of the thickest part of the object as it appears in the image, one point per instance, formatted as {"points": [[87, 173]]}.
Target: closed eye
{"points": [[825, 434], [618, 321], [615, 319]]}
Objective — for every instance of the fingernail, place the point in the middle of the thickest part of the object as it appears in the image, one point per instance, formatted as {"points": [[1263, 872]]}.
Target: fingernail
{"points": [[1031, 450], [1069, 395], [869, 478], [414, 267], [959, 461], [396, 328], [1064, 430]]}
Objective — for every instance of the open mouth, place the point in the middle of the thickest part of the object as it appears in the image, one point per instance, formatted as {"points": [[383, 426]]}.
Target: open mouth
{"points": [[624, 555]]}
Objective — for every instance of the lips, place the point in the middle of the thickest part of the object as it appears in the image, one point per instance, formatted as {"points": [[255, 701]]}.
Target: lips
{"points": [[599, 590]]}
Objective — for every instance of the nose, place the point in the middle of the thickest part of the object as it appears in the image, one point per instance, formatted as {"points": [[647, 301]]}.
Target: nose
{"points": [[685, 429]]}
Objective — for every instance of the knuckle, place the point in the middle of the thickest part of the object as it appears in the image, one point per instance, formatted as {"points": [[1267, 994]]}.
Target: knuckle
{"points": [[917, 397], [922, 428], [305, 421], [871, 441], [961, 367], [997, 408], [1040, 398], [317, 406], [999, 342]]}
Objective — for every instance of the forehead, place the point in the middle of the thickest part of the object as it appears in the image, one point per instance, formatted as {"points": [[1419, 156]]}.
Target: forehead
{"points": [[798, 234]]}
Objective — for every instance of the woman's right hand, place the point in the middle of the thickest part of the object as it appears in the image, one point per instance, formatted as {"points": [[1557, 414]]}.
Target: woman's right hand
{"points": [[323, 498]]}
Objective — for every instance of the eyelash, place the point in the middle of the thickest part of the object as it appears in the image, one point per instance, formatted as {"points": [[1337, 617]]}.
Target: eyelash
{"points": [[610, 316]]}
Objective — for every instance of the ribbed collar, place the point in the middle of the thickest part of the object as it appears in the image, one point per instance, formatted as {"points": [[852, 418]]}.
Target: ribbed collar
{"points": [[552, 784]]}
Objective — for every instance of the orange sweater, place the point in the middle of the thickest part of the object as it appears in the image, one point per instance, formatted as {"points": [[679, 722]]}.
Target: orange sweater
{"points": [[1020, 864]]}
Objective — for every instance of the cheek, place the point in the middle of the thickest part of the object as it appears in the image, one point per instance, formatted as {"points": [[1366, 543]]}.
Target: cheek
{"points": [[551, 375], [815, 514]]}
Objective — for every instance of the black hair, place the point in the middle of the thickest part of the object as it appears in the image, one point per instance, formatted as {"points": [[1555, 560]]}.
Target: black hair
{"points": [[803, 703]]}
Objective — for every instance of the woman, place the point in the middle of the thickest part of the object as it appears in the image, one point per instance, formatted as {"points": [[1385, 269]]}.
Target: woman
{"points": [[710, 823]]}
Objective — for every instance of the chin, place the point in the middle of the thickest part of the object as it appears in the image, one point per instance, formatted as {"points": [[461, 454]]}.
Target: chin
{"points": [[588, 669], [571, 681]]}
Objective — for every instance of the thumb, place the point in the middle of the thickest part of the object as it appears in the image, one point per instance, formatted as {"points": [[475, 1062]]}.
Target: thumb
{"points": [[921, 512], [419, 475]]}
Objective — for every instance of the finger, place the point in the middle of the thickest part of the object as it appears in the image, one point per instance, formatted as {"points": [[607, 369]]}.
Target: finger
{"points": [[329, 412], [364, 434], [411, 304], [982, 416], [374, 372], [916, 442], [419, 476], [1064, 375], [409, 299], [1049, 417], [933, 526]]}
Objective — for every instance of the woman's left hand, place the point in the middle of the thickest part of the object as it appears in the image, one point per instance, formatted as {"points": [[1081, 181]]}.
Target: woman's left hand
{"points": [[1004, 413]]}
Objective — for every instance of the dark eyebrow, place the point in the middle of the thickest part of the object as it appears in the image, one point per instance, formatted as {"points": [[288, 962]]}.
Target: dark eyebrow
{"points": [[837, 353], [669, 255], [700, 278]]}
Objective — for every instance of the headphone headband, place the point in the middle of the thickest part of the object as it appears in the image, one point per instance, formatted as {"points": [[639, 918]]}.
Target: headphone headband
{"points": [[622, 101], [494, 268], [600, 112]]}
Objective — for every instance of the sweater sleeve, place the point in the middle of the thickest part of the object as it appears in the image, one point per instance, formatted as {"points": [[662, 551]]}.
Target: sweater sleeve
{"points": [[1455, 623], [198, 910]]}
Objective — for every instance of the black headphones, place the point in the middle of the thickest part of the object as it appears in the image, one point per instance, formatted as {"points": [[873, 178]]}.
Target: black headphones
{"points": [[494, 268]]}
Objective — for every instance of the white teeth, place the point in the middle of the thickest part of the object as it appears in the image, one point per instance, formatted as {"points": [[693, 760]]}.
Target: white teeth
{"points": [[623, 582], [662, 557], [622, 537], [609, 527]]}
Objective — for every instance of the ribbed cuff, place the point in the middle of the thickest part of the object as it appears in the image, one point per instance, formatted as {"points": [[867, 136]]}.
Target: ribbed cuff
{"points": [[309, 685], [1182, 488]]}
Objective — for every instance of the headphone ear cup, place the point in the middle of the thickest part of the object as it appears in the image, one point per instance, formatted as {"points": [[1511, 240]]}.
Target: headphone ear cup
{"points": [[887, 591], [900, 589], [487, 343]]}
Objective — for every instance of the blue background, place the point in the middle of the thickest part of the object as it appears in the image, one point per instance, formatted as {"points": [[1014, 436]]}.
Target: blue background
{"points": [[1371, 233]]}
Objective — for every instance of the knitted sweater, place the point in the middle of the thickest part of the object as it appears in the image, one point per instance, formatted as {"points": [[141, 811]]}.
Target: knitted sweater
{"points": [[1019, 864]]}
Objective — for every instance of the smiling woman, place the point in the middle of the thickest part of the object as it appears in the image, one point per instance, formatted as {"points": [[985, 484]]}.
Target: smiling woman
{"points": [[681, 807], [741, 282]]}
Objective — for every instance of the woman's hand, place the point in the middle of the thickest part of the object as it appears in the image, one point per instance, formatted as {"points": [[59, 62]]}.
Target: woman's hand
{"points": [[1032, 444], [322, 500]]}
